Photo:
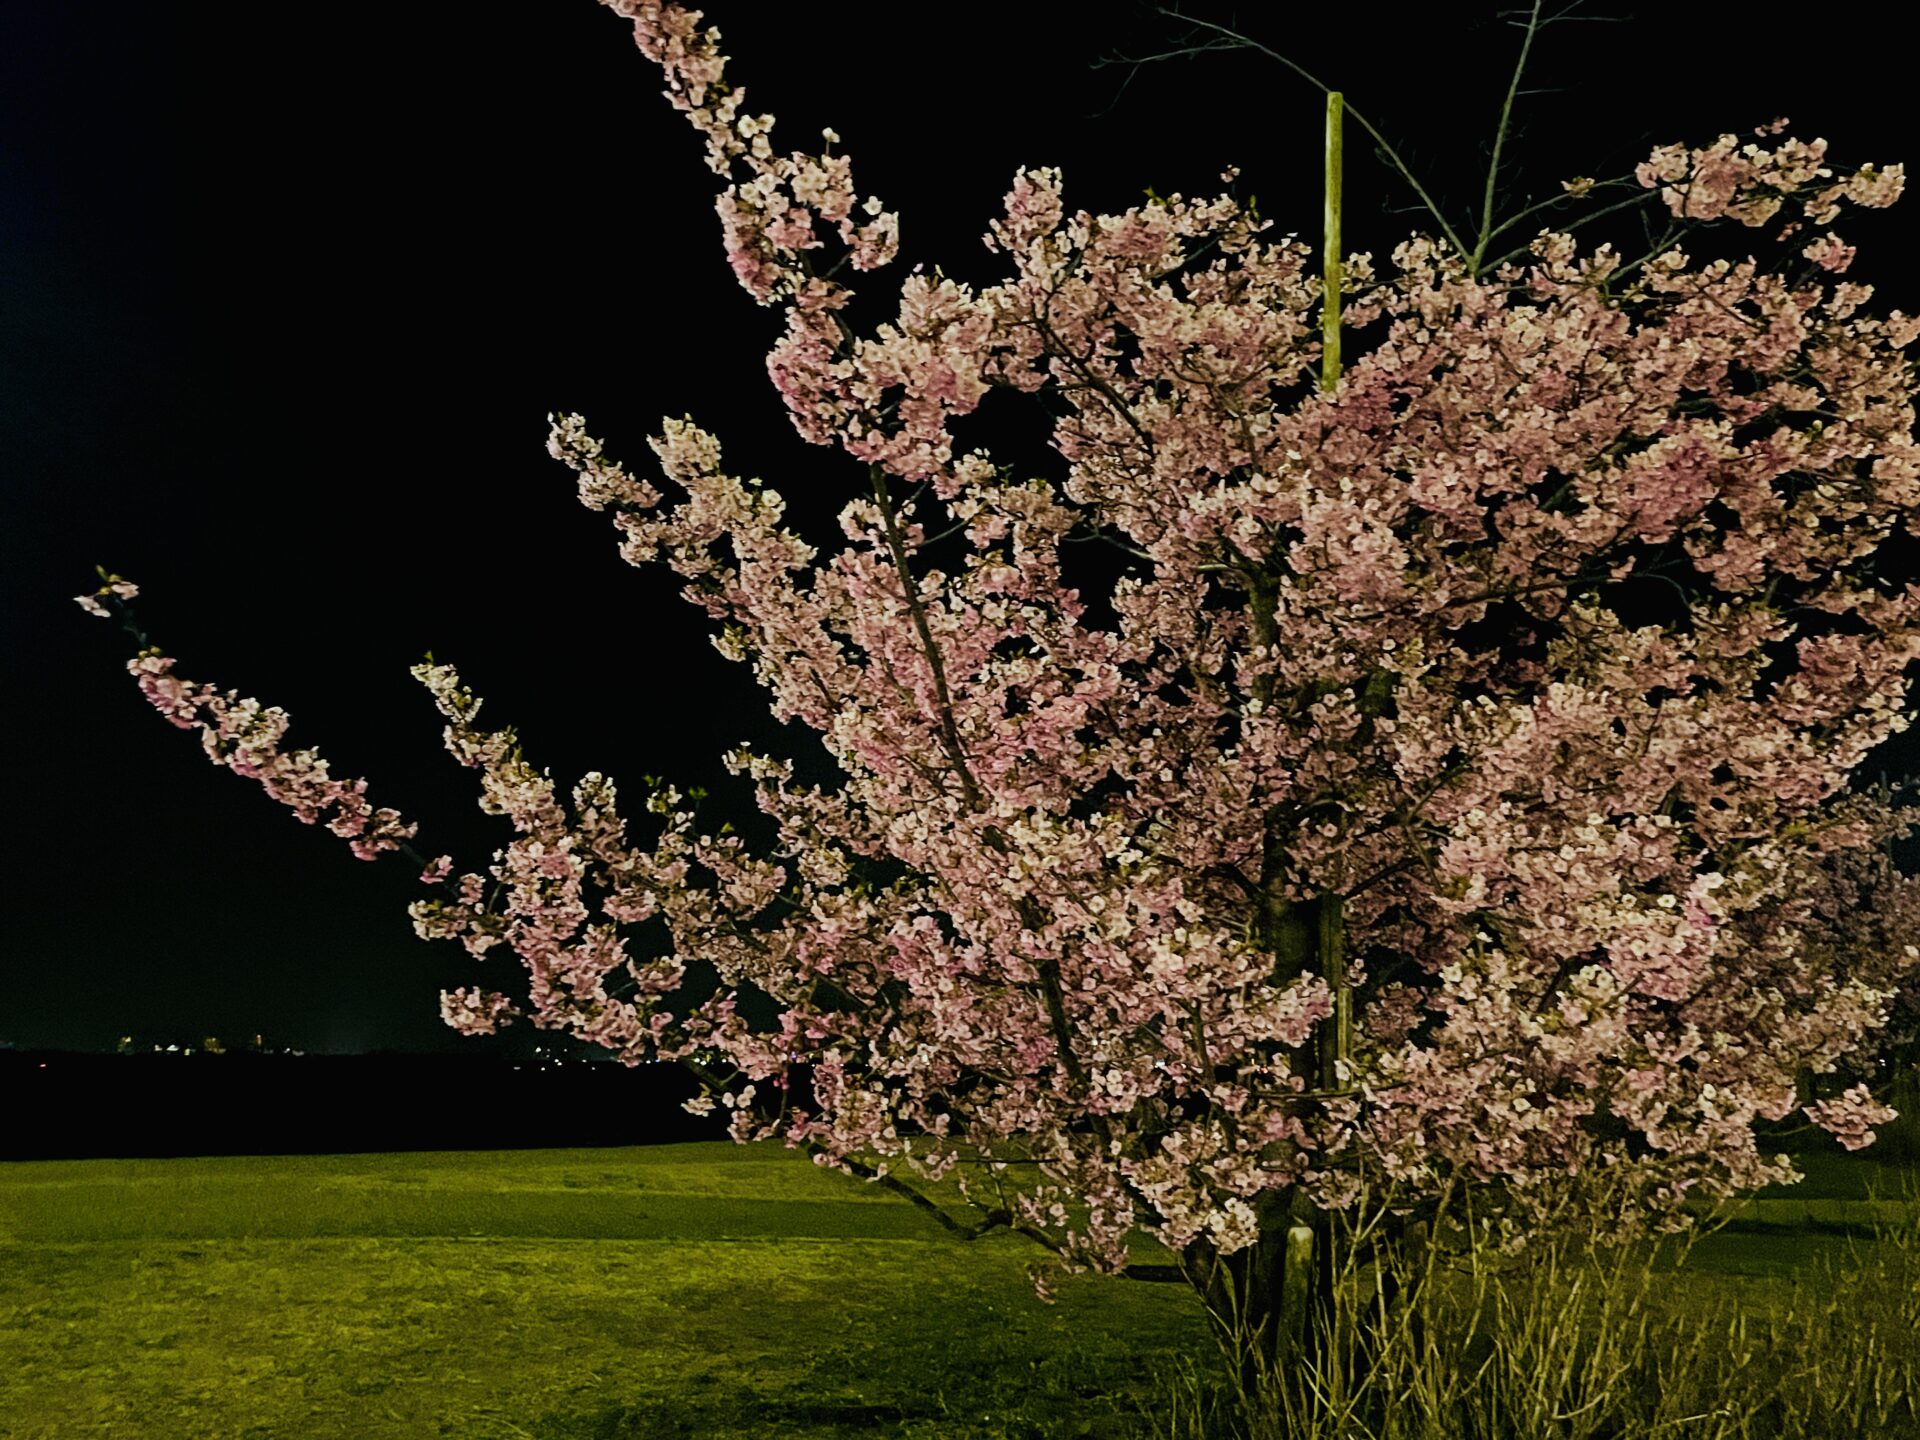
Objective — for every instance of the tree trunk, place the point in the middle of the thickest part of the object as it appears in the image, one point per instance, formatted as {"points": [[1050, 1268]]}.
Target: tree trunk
{"points": [[1271, 1304]]}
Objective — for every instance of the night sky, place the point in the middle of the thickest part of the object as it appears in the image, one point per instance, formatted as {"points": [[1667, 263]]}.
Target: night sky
{"points": [[287, 297]]}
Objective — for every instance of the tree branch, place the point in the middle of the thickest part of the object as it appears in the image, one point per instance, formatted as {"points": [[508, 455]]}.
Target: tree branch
{"points": [[993, 1219], [1231, 39], [1499, 140]]}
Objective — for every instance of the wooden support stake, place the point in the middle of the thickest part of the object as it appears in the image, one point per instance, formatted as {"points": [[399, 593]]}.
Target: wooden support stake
{"points": [[1331, 271]]}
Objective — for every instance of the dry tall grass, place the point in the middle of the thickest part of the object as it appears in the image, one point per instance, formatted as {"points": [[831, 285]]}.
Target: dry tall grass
{"points": [[1579, 1341]]}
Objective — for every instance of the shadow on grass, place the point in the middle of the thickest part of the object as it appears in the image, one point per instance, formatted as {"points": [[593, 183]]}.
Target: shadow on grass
{"points": [[665, 1420], [867, 1388]]}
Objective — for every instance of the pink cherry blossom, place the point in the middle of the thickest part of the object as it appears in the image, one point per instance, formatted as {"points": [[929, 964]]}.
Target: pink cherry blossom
{"points": [[1458, 794], [1850, 1116], [245, 737]]}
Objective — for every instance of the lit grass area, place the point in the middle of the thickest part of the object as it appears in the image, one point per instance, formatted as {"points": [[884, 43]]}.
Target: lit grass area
{"points": [[692, 1290]]}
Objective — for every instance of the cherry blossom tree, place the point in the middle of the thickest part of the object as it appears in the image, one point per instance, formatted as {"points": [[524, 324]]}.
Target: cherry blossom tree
{"points": [[1433, 801]]}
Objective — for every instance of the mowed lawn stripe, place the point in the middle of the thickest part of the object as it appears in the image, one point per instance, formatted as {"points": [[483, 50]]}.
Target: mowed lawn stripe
{"points": [[640, 1194], [101, 1211]]}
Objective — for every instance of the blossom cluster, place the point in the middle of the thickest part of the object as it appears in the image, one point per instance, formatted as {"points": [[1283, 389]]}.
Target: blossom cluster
{"points": [[245, 736]]}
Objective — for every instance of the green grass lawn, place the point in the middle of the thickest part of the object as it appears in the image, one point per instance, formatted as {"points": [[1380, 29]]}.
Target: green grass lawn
{"points": [[692, 1290]]}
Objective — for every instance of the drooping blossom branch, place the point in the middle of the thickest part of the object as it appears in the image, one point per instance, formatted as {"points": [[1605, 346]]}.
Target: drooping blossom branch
{"points": [[245, 737]]}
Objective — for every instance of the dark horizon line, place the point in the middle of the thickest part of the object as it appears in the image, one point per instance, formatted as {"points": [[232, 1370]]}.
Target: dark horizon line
{"points": [[43, 1052]]}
